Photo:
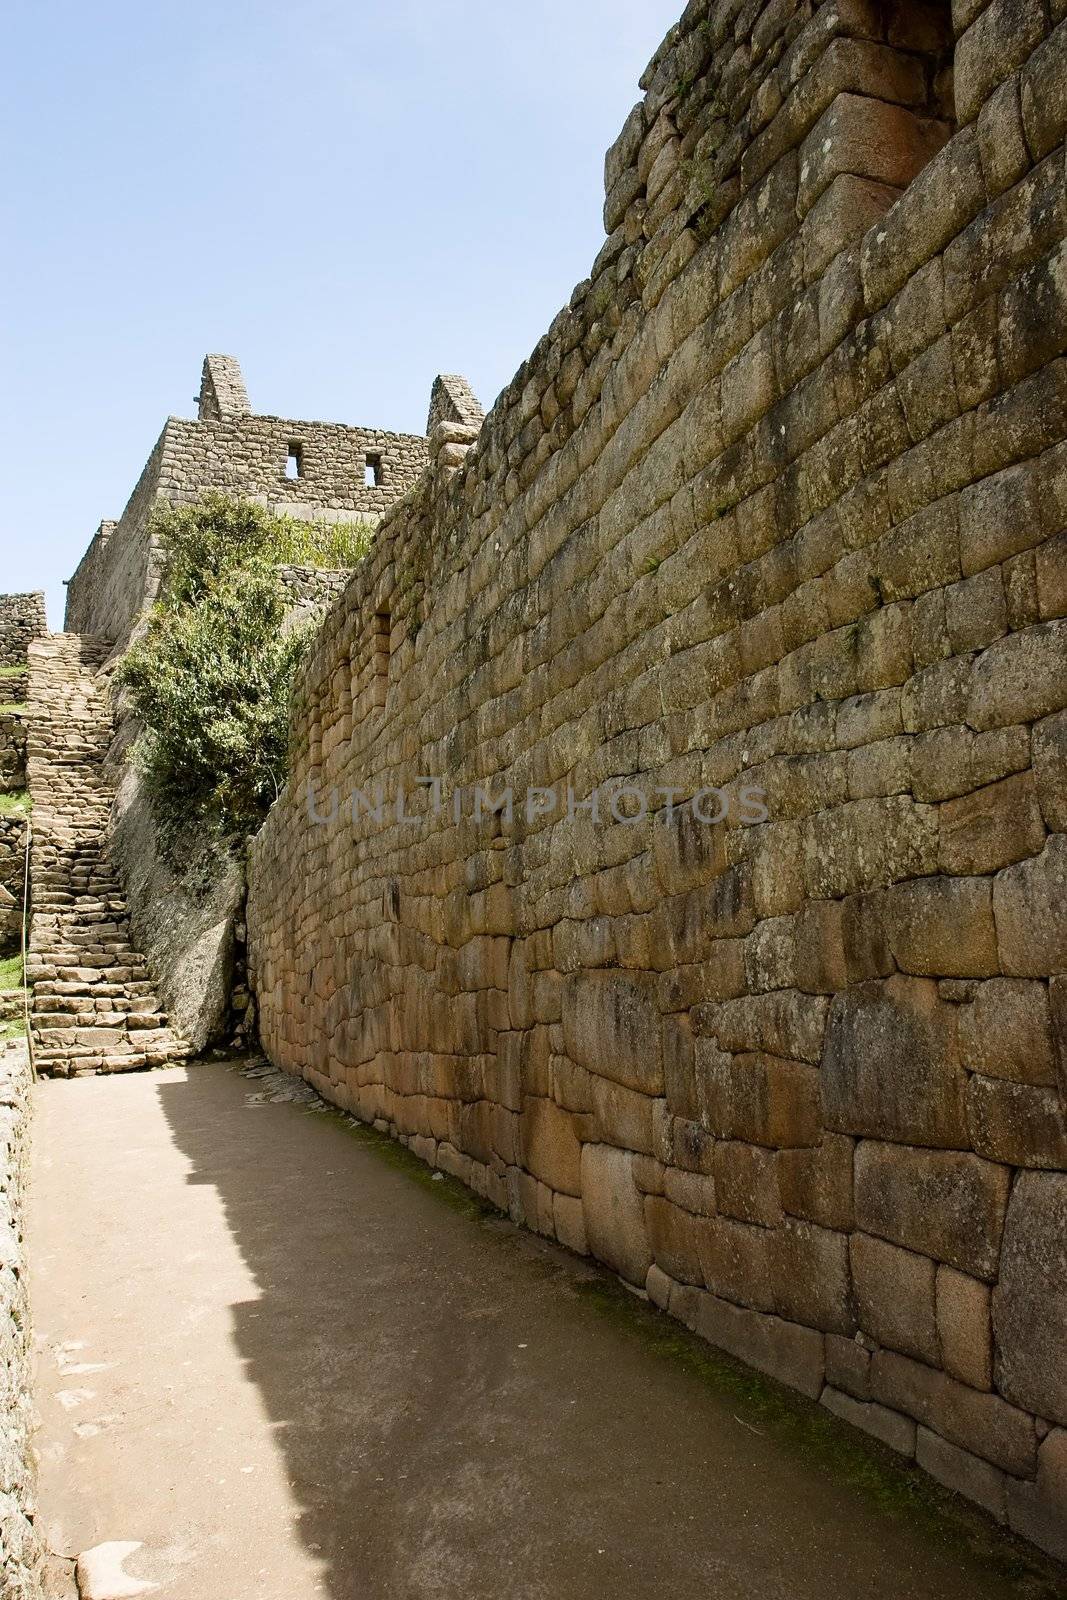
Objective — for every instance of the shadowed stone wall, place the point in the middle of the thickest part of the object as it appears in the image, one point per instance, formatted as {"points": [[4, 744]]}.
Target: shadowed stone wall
{"points": [[779, 500]]}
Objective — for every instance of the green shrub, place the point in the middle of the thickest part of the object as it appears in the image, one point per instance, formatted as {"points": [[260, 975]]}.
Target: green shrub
{"points": [[211, 676]]}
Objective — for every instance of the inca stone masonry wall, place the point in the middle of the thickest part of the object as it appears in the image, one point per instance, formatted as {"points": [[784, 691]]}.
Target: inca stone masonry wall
{"points": [[22, 618], [231, 450], [779, 500], [21, 1552]]}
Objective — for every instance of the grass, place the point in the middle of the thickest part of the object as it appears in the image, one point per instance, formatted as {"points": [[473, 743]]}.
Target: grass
{"points": [[11, 972], [15, 1029], [8, 706], [12, 672], [14, 803]]}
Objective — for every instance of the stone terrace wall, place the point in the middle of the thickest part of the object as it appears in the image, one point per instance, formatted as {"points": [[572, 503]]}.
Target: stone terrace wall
{"points": [[22, 618], [778, 500], [21, 1553]]}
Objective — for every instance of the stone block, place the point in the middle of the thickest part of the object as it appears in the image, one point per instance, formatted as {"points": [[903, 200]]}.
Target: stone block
{"points": [[1038, 1510], [1017, 1123], [1030, 1299], [1030, 907], [611, 1026], [758, 1098], [1050, 769], [613, 1208], [674, 1236], [550, 1146], [964, 1328], [940, 1203], [894, 1291], [810, 1276], [815, 1184], [1020, 678], [569, 1222], [1007, 1032], [746, 1183], [848, 1365], [963, 1472], [992, 827], [890, 1069], [734, 1262], [941, 927], [984, 1424], [783, 1350], [892, 1429]]}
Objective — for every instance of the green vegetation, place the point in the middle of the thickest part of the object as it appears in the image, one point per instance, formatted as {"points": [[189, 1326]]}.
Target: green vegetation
{"points": [[11, 972], [212, 674], [8, 706], [12, 672], [15, 803]]}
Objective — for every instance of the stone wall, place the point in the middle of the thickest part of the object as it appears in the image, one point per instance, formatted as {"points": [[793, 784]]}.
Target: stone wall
{"points": [[186, 925], [12, 881], [22, 618], [778, 501], [21, 1553], [231, 450]]}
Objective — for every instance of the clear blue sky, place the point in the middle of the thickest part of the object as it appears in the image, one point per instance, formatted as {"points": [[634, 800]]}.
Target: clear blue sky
{"points": [[348, 195]]}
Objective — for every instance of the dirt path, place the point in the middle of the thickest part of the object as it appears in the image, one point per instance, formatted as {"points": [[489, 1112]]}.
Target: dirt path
{"points": [[292, 1367]]}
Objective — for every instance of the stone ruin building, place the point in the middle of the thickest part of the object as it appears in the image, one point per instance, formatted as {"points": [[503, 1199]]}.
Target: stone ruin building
{"points": [[779, 500]]}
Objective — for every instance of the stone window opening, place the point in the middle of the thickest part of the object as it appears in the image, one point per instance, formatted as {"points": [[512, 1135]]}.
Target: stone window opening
{"points": [[372, 472], [294, 464], [381, 654]]}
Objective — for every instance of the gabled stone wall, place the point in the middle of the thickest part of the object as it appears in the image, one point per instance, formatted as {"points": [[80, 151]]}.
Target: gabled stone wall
{"points": [[778, 501]]}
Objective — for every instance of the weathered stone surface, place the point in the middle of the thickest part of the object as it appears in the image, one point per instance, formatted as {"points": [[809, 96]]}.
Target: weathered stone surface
{"points": [[1039, 1510], [674, 1236], [550, 1147], [894, 1292], [746, 1183], [792, 1354], [1007, 1032], [964, 1328], [967, 1474], [981, 1423], [816, 1184], [941, 927], [890, 1427], [1017, 1123], [734, 1262], [610, 1026], [1030, 906], [940, 1203], [614, 1212], [1030, 1299], [810, 1276], [890, 1068]]}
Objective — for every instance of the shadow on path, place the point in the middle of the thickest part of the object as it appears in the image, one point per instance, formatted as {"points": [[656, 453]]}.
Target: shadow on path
{"points": [[465, 1410]]}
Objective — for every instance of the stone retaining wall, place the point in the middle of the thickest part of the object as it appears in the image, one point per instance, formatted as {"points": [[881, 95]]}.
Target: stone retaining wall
{"points": [[21, 1555], [22, 618], [778, 501], [12, 881]]}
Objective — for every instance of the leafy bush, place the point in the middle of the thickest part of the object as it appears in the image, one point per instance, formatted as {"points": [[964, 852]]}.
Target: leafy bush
{"points": [[210, 678]]}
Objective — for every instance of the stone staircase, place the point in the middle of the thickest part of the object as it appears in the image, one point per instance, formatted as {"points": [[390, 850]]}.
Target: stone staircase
{"points": [[94, 1005]]}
